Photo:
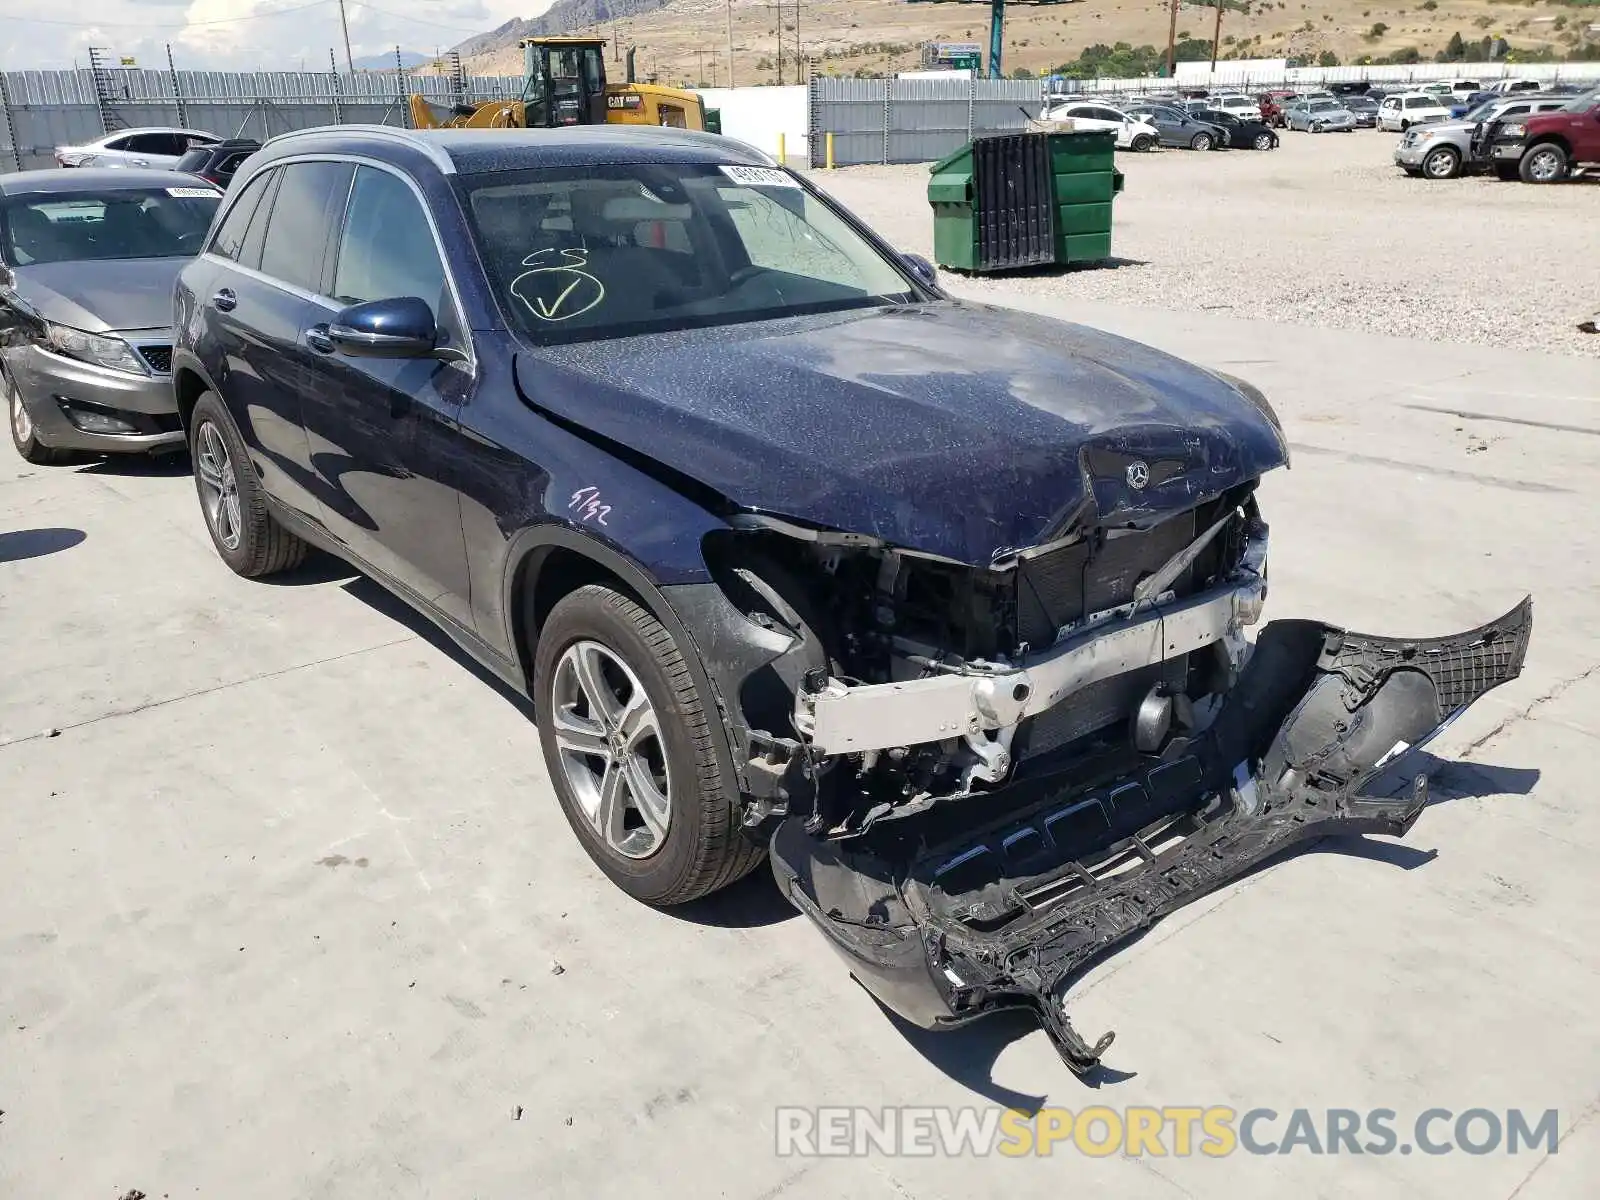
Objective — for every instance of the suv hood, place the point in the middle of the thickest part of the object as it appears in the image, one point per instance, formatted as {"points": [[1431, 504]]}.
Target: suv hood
{"points": [[127, 293], [956, 430]]}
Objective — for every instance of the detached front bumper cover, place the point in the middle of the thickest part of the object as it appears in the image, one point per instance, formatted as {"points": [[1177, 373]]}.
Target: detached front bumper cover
{"points": [[1311, 742]]}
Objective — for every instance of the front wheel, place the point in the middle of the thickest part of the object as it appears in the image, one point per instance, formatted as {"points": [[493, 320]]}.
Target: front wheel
{"points": [[631, 749], [1443, 163], [1545, 163], [1200, 141], [24, 434], [1265, 141]]}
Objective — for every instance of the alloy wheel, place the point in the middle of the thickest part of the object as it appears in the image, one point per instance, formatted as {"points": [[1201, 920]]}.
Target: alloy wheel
{"points": [[1544, 165], [219, 485], [1263, 141], [611, 749], [1441, 164]]}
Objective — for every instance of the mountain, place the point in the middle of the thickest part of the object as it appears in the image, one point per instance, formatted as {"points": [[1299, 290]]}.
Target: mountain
{"points": [[385, 62], [564, 16]]}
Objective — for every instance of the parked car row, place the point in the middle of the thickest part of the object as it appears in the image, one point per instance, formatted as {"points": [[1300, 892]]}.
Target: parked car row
{"points": [[974, 675], [1145, 125], [1530, 136]]}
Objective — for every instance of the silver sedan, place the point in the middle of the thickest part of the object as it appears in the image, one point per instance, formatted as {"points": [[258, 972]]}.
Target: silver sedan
{"points": [[88, 259], [1320, 116]]}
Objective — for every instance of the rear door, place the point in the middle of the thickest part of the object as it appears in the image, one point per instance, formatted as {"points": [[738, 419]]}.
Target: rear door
{"points": [[258, 306], [382, 432]]}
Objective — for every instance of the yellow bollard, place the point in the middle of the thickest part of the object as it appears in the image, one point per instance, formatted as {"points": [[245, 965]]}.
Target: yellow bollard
{"points": [[830, 152], [782, 157]]}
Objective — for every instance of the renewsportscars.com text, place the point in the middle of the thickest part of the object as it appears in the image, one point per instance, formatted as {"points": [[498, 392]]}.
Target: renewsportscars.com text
{"points": [[1214, 1132]]}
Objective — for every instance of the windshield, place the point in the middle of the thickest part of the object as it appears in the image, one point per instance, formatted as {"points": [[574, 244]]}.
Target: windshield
{"points": [[587, 252], [1325, 106], [56, 227], [1582, 102]]}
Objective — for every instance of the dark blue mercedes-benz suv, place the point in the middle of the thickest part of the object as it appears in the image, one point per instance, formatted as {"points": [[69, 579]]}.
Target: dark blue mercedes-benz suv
{"points": [[943, 605]]}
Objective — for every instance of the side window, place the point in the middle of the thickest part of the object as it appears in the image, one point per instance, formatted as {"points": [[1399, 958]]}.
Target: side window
{"points": [[1514, 110], [230, 237], [256, 235], [309, 198], [120, 143], [388, 248]]}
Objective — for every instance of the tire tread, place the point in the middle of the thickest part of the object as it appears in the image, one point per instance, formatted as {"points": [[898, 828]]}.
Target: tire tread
{"points": [[722, 854]]}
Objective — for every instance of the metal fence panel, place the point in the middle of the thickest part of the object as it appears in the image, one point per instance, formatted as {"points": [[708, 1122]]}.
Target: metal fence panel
{"points": [[40, 110], [913, 120]]}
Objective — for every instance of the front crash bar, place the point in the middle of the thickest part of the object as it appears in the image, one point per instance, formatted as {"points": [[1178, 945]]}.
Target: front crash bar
{"points": [[841, 719]]}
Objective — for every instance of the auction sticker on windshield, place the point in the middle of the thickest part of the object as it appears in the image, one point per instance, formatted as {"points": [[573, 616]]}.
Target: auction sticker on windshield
{"points": [[194, 193], [760, 177]]}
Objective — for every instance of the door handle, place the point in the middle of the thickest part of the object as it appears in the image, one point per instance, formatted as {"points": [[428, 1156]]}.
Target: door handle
{"points": [[317, 338], [141, 162], [224, 300]]}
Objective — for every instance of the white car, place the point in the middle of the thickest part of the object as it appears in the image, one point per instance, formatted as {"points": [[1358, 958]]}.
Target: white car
{"points": [[157, 148], [1133, 133], [1246, 108], [1400, 112]]}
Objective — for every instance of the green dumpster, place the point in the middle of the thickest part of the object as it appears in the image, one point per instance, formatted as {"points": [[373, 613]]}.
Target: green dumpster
{"points": [[713, 120], [1023, 200]]}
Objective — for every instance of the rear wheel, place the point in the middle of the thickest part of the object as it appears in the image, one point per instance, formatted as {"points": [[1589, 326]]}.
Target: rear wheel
{"points": [[1443, 163], [1265, 141], [1545, 163], [1143, 143], [1200, 141], [247, 537], [629, 744], [24, 434]]}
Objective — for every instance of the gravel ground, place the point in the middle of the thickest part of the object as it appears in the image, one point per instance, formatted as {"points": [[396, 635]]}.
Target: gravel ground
{"points": [[1324, 231]]}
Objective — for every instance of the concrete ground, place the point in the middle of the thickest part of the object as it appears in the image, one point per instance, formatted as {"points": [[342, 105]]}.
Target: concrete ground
{"points": [[285, 883]]}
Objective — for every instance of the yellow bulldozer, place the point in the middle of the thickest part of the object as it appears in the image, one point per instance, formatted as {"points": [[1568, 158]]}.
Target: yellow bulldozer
{"points": [[564, 83]]}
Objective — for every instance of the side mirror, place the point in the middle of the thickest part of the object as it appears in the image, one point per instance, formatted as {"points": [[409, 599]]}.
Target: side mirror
{"points": [[399, 328], [922, 269]]}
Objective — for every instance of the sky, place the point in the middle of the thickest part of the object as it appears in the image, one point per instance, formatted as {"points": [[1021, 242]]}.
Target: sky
{"points": [[226, 35]]}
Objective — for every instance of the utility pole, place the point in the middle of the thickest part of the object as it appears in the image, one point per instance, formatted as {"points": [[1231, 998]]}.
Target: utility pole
{"points": [[799, 52], [344, 24], [616, 46], [1216, 36], [1172, 43], [730, 43]]}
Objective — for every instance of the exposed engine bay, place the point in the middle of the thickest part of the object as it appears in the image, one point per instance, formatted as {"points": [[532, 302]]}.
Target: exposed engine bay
{"points": [[914, 680]]}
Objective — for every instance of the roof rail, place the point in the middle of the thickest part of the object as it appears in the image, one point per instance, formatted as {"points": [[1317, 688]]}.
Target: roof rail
{"points": [[407, 137]]}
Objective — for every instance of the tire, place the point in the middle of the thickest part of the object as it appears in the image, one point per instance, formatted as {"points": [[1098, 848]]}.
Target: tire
{"points": [[1200, 141], [1443, 163], [1265, 141], [1545, 162], [697, 847], [24, 434], [1143, 143], [1506, 172], [1404, 125], [247, 537]]}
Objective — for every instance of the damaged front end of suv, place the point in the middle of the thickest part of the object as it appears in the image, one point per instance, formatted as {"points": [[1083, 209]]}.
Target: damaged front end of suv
{"points": [[978, 778]]}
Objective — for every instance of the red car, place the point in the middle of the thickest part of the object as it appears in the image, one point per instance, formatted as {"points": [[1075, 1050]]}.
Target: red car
{"points": [[1272, 107]]}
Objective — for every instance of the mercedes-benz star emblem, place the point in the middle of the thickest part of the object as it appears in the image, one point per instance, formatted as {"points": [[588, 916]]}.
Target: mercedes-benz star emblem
{"points": [[1138, 475]]}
